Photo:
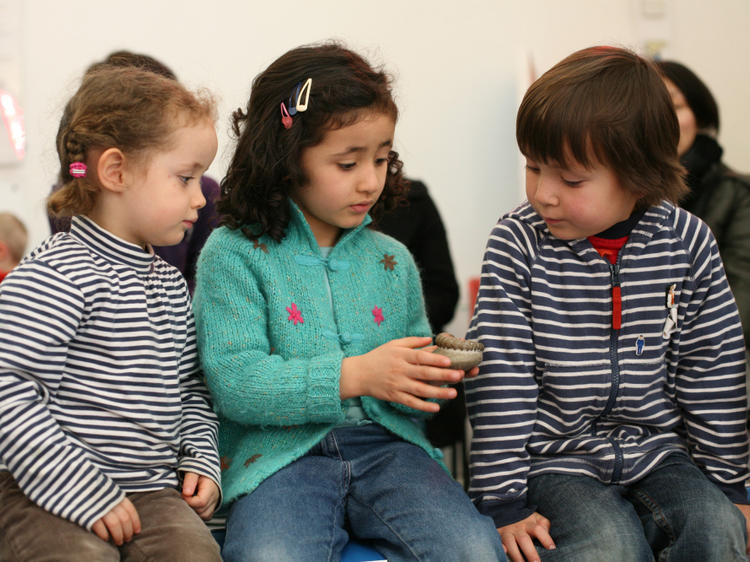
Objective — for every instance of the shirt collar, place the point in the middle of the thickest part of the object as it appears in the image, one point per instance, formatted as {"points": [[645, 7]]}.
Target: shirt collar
{"points": [[299, 222], [109, 246]]}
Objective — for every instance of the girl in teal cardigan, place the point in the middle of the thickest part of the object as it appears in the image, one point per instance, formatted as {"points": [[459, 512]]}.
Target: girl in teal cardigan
{"points": [[312, 332]]}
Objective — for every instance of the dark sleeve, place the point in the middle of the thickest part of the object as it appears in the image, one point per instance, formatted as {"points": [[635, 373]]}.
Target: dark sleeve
{"points": [[419, 226], [734, 247], [207, 221]]}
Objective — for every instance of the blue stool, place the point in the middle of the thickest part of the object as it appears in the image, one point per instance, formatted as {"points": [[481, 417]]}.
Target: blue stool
{"points": [[357, 552]]}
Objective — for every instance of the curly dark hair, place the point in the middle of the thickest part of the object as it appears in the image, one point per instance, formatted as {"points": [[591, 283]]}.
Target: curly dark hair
{"points": [[265, 168]]}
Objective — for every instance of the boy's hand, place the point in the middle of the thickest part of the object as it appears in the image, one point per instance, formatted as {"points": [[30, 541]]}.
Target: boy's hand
{"points": [[201, 493], [745, 509], [119, 524], [518, 538]]}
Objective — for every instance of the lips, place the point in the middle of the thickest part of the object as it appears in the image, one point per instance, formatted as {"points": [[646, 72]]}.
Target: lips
{"points": [[361, 207]]}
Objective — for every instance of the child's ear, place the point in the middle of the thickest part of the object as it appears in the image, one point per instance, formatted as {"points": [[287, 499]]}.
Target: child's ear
{"points": [[110, 170], [4, 252]]}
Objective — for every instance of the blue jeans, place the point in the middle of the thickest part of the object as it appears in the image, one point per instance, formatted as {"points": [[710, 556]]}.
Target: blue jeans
{"points": [[364, 481], [673, 514]]}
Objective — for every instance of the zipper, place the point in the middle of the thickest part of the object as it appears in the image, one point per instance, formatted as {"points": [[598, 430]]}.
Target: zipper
{"points": [[614, 272]]}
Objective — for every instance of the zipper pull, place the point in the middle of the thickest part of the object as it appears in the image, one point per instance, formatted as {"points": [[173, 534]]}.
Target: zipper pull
{"points": [[616, 297]]}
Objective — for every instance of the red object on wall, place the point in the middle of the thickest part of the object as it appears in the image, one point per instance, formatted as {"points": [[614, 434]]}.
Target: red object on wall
{"points": [[473, 290]]}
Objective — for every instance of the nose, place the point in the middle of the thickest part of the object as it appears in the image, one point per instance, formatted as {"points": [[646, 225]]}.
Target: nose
{"points": [[371, 180], [545, 192], [197, 200]]}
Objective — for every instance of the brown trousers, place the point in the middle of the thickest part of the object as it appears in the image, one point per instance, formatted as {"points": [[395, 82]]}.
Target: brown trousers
{"points": [[170, 530]]}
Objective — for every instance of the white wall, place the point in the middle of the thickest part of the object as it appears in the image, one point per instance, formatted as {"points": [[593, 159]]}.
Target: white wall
{"points": [[460, 70]]}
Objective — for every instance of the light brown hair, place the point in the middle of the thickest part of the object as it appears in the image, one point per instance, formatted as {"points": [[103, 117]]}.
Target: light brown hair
{"points": [[611, 105], [13, 234], [130, 109]]}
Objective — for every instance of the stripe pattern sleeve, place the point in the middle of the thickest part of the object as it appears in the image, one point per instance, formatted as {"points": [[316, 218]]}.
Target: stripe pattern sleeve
{"points": [[199, 427], [39, 315], [501, 399], [710, 382]]}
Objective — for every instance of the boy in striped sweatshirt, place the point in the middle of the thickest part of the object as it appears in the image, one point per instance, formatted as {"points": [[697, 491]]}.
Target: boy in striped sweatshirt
{"points": [[108, 442], [609, 413]]}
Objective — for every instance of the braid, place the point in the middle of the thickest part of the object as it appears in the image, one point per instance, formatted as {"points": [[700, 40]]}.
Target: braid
{"points": [[77, 195], [74, 152]]}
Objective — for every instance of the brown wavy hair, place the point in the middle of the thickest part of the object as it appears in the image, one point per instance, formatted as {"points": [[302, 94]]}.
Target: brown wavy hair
{"points": [[128, 108], [609, 104], [265, 168]]}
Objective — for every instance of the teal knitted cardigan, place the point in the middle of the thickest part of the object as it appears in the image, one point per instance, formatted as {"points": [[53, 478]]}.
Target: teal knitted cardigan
{"points": [[271, 346]]}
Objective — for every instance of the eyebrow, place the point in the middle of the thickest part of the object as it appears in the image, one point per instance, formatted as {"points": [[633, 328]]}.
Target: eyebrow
{"points": [[191, 166], [354, 149]]}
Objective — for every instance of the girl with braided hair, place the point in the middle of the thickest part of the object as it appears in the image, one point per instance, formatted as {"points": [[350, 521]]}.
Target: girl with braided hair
{"points": [[108, 442]]}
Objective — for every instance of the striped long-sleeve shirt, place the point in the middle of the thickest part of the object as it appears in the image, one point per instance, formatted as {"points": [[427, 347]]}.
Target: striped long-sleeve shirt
{"points": [[100, 392], [562, 390]]}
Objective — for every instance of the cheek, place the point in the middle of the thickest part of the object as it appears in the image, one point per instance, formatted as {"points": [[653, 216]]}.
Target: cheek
{"points": [[530, 184], [687, 124]]}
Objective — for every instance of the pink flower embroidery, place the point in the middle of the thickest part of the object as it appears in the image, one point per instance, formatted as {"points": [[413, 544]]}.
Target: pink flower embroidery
{"points": [[295, 314], [377, 312]]}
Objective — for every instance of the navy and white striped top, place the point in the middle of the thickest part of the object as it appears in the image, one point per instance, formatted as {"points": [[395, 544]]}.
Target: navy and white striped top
{"points": [[560, 390], [99, 386]]}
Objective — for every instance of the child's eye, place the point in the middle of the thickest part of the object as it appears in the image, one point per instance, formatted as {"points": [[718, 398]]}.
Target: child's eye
{"points": [[185, 179], [532, 169], [381, 161], [572, 183], [346, 165]]}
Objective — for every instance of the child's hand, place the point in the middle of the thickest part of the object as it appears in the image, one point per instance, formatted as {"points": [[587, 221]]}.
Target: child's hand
{"points": [[745, 509], [518, 538], [201, 493], [120, 523], [398, 371], [472, 373]]}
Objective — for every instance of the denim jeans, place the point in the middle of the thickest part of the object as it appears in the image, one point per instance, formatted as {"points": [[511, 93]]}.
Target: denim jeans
{"points": [[365, 482], [673, 514]]}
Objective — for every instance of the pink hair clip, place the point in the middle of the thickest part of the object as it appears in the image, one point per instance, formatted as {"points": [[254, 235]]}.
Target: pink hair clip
{"points": [[286, 119], [77, 169]]}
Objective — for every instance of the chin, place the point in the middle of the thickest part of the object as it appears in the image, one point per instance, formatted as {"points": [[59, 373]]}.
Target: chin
{"points": [[169, 240]]}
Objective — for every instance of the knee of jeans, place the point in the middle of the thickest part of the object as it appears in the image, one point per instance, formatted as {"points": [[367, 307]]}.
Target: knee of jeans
{"points": [[478, 543], [241, 551], [716, 521], [610, 540]]}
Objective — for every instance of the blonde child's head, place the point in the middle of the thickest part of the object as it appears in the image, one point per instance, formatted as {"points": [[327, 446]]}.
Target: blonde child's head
{"points": [[13, 240], [608, 106], [133, 110]]}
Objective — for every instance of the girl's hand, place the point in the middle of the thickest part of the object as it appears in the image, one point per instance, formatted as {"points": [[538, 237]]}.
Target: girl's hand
{"points": [[201, 493], [398, 371], [120, 523], [518, 538]]}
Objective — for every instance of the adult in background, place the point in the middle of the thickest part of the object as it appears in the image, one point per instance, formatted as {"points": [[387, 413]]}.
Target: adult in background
{"points": [[718, 195]]}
